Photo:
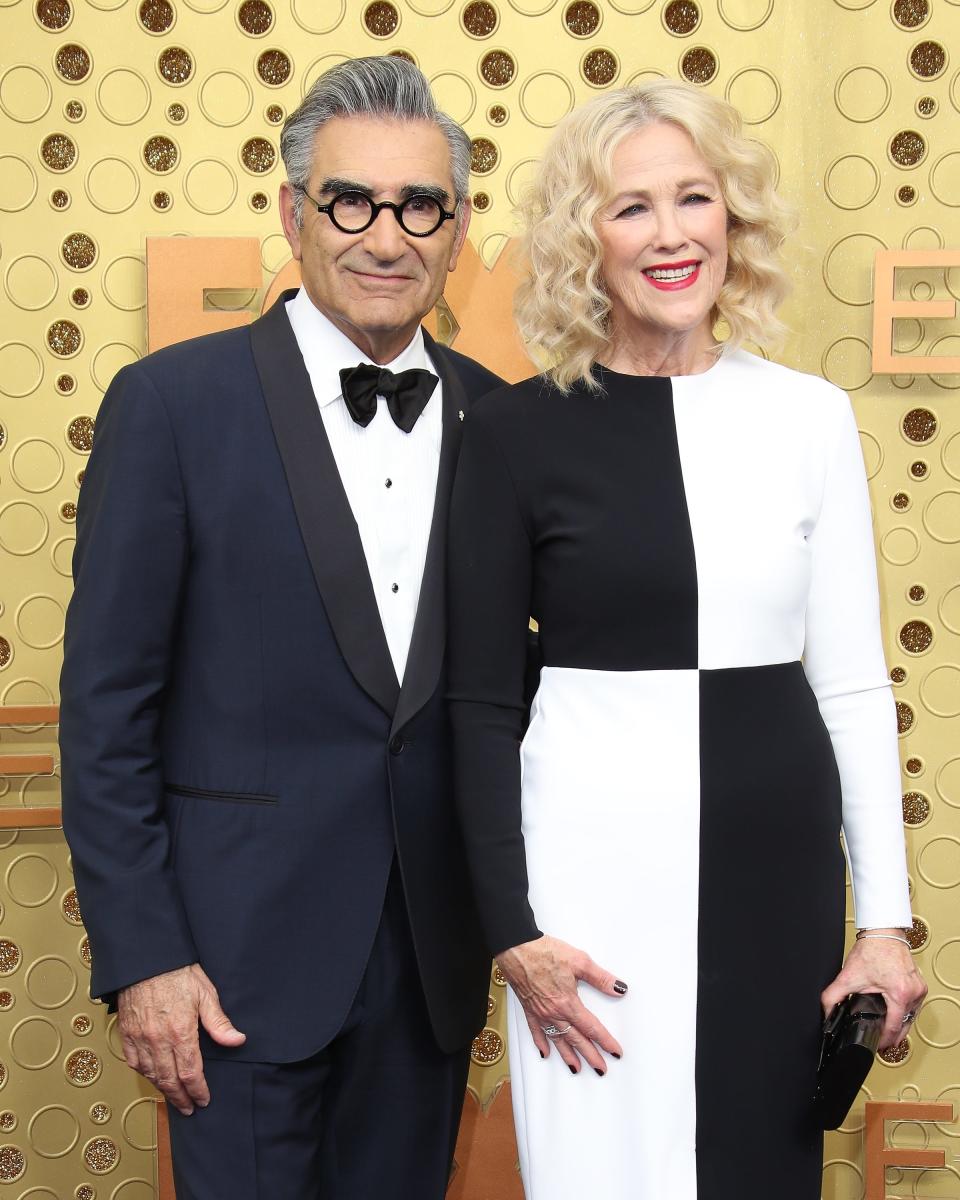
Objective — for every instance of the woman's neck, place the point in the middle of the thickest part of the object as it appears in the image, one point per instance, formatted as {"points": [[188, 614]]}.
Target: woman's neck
{"points": [[663, 353]]}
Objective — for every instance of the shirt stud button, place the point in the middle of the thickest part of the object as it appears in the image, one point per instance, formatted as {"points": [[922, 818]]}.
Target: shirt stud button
{"points": [[388, 483], [395, 587]]}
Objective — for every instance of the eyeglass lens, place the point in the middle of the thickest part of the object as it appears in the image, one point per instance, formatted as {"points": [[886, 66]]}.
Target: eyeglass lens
{"points": [[353, 212]]}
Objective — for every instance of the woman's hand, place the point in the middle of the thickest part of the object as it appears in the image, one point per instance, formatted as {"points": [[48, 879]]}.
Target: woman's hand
{"points": [[878, 965], [543, 975]]}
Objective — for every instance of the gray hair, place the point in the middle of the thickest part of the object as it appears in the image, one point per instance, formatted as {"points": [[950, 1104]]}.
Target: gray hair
{"points": [[385, 86]]}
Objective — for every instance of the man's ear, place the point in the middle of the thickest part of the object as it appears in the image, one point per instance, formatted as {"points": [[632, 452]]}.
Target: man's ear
{"points": [[463, 224], [288, 219]]}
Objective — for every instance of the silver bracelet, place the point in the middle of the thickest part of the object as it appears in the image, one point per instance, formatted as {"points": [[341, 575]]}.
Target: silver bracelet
{"points": [[890, 937]]}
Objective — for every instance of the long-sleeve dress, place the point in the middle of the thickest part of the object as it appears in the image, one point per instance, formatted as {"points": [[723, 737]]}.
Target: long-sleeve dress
{"points": [[713, 708]]}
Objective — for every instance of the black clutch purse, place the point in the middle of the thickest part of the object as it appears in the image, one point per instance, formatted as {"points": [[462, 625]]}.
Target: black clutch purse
{"points": [[851, 1034]]}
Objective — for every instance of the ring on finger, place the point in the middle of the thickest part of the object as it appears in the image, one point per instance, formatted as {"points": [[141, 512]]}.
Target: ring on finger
{"points": [[908, 1017], [554, 1031]]}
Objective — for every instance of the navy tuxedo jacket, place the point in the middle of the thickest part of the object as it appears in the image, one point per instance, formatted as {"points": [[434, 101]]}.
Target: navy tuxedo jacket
{"points": [[239, 763]]}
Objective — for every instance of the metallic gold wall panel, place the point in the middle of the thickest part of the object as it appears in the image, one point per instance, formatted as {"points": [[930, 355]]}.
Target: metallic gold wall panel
{"points": [[122, 120]]}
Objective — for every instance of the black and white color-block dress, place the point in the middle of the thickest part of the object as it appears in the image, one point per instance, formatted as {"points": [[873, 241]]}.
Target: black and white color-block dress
{"points": [[713, 707]]}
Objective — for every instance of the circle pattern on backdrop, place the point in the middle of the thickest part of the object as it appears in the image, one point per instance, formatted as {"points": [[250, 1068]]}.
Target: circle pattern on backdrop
{"points": [[73, 62], [546, 97], [600, 67], [497, 68], [928, 60], [911, 14], [381, 19], [210, 186], [123, 96], [255, 17], [582, 18], [25, 93], [756, 92], [862, 94], [522, 65], [156, 16], [30, 282], [699, 65], [54, 14], [18, 183], [58, 152], [274, 68], [175, 65], [681, 17], [79, 251], [455, 95], [907, 148], [852, 181], [225, 98], [945, 179], [848, 267]]}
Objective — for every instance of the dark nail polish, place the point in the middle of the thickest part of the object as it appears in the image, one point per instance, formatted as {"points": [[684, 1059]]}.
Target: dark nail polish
{"points": [[542, 1055], [599, 1072], [619, 987], [573, 1070], [614, 1054]]}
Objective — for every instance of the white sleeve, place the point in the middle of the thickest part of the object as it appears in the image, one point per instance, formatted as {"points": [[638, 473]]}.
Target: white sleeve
{"points": [[844, 664]]}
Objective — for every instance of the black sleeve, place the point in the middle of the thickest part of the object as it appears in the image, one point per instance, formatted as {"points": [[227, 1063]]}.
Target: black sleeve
{"points": [[490, 564], [129, 567]]}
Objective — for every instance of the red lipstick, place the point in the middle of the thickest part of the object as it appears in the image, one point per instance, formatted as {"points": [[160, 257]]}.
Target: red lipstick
{"points": [[677, 282]]}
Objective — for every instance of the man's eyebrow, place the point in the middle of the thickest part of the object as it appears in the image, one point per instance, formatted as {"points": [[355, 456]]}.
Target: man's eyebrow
{"points": [[337, 185], [345, 185], [426, 189]]}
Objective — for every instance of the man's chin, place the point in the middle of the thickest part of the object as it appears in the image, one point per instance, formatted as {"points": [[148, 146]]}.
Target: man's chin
{"points": [[383, 316]]}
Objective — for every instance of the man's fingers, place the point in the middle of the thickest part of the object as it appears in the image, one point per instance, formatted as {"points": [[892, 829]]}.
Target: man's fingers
{"points": [[130, 1051], [216, 1022], [158, 1061], [145, 1065], [167, 1080], [190, 1071]]}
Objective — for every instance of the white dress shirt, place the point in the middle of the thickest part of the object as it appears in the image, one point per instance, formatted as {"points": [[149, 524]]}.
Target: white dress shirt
{"points": [[390, 477]]}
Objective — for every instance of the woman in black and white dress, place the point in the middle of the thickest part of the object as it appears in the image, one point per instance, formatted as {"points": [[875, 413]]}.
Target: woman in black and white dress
{"points": [[690, 526]]}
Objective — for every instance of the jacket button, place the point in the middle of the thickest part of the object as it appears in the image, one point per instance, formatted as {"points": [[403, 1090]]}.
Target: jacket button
{"points": [[397, 744]]}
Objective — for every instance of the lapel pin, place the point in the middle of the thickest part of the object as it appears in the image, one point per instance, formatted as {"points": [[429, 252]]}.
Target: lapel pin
{"points": [[460, 414]]}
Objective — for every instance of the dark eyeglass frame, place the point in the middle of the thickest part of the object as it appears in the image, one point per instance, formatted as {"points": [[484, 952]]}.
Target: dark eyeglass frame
{"points": [[376, 209]]}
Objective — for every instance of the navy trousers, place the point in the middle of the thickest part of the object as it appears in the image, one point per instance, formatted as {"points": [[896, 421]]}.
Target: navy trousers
{"points": [[372, 1116]]}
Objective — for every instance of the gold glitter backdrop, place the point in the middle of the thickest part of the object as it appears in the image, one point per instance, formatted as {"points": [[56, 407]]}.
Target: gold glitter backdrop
{"points": [[126, 119]]}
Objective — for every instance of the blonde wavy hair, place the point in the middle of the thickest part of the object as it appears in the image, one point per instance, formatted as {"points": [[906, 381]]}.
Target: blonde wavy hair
{"points": [[561, 307]]}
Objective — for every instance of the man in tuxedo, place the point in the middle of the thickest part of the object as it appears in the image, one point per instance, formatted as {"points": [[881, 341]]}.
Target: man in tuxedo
{"points": [[255, 748]]}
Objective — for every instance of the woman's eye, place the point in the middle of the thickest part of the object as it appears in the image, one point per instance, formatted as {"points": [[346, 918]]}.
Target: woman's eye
{"points": [[631, 210], [696, 198]]}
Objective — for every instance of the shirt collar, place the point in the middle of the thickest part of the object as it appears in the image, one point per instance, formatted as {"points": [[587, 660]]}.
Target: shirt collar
{"points": [[326, 350]]}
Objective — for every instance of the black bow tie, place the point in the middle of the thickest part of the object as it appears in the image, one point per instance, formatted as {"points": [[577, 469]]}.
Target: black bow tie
{"points": [[406, 394]]}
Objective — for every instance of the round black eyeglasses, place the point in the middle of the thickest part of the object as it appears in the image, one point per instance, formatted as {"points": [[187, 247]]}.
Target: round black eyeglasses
{"points": [[353, 212]]}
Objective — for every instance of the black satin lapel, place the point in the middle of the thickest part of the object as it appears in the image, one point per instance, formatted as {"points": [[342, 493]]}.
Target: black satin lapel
{"points": [[428, 643], [326, 520]]}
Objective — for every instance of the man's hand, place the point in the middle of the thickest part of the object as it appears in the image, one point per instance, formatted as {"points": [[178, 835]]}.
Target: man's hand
{"points": [[158, 1020], [544, 975]]}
